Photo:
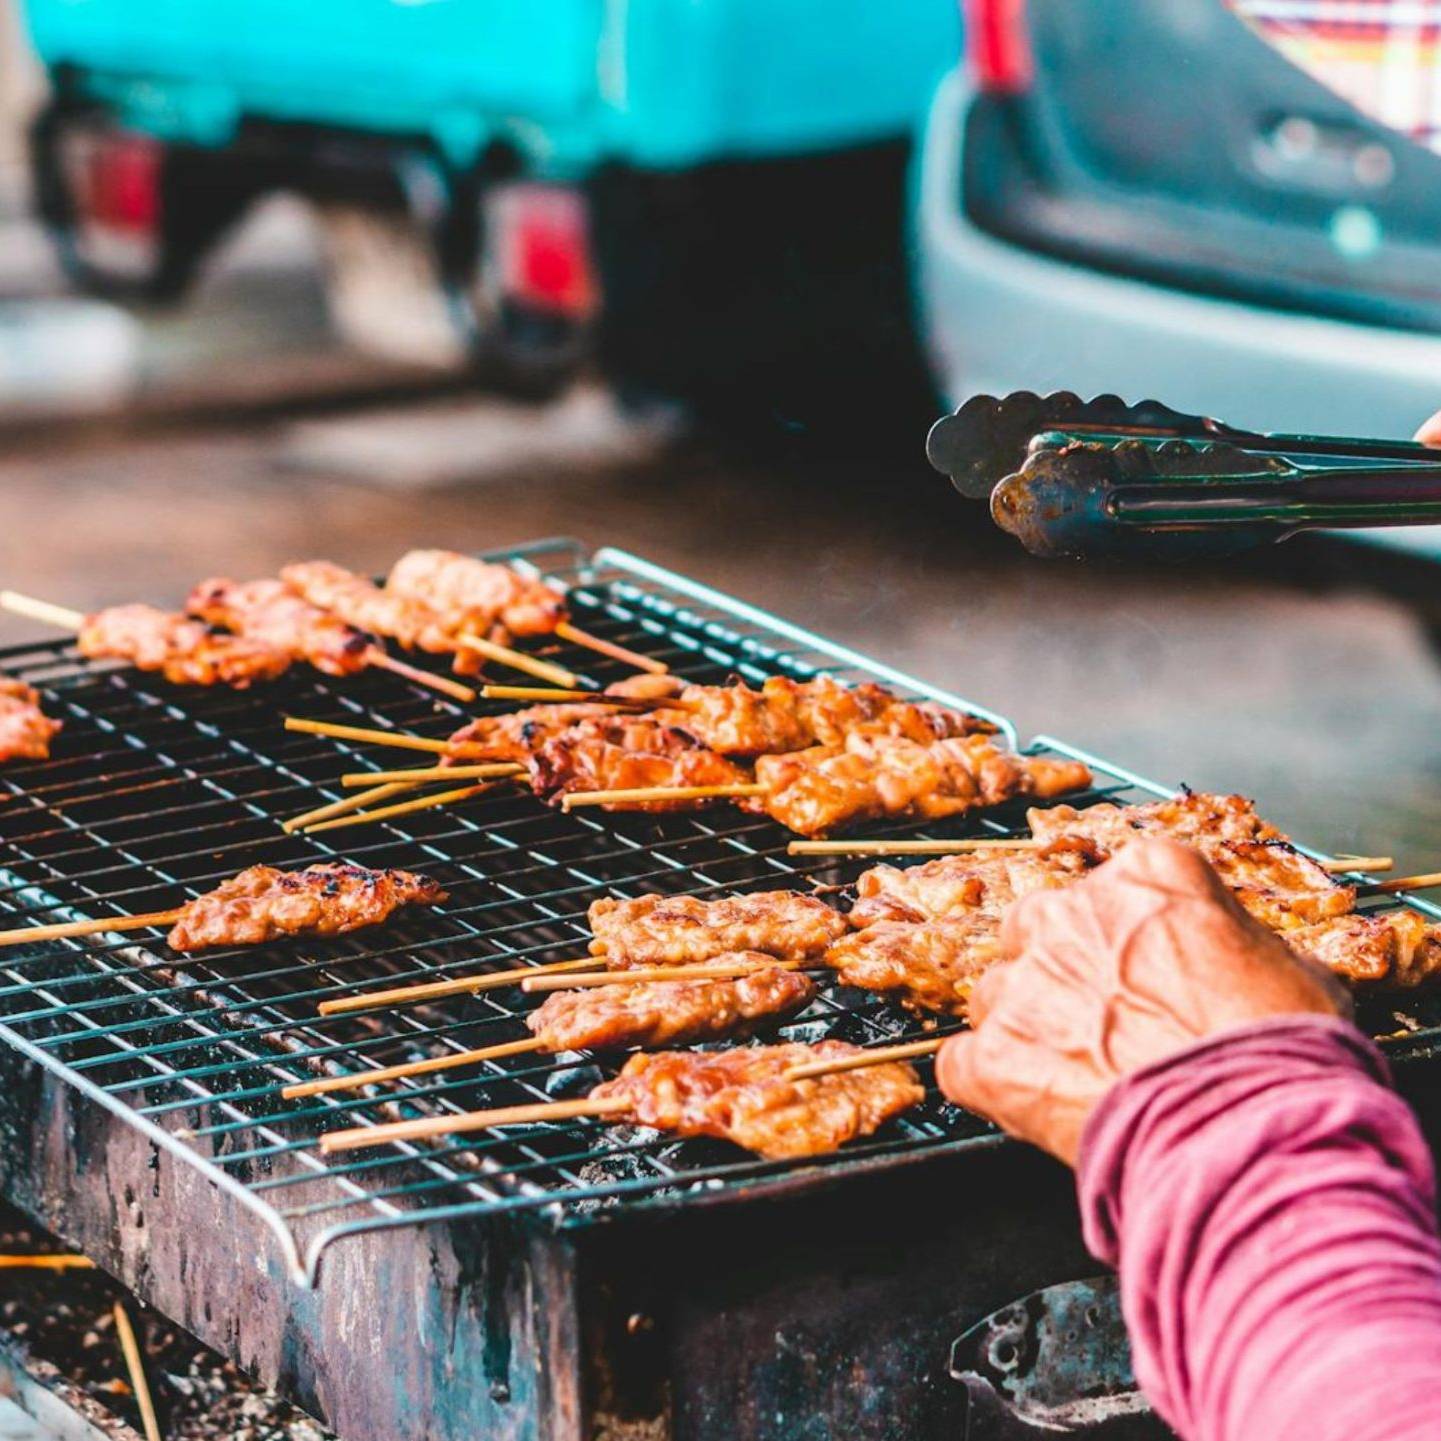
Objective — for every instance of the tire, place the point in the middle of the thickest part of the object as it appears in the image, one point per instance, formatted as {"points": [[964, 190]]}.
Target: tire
{"points": [[769, 295]]}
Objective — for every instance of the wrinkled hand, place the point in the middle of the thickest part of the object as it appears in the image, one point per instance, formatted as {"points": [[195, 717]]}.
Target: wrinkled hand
{"points": [[1144, 957]]}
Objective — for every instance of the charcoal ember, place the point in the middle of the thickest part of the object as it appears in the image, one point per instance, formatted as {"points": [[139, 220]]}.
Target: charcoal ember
{"points": [[565, 1082]]}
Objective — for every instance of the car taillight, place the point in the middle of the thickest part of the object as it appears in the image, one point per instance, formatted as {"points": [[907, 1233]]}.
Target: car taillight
{"points": [[543, 244], [998, 50], [122, 189]]}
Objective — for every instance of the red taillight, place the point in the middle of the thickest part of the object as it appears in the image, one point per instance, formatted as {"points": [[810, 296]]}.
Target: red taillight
{"points": [[122, 184], [543, 245], [998, 50]]}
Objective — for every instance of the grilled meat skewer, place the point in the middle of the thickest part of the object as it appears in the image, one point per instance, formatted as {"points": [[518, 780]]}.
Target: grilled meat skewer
{"points": [[358, 601], [269, 612], [493, 601], [184, 651], [25, 730], [927, 966], [668, 1013]]}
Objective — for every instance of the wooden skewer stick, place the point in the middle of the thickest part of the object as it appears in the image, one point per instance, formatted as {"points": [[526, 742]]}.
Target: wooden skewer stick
{"points": [[546, 694], [437, 990], [60, 616], [401, 808], [518, 660], [135, 1364], [875, 1056], [62, 929], [398, 739], [63, 1262], [643, 975], [1341, 864], [362, 1137], [383, 660], [1403, 883], [489, 770], [345, 806], [412, 1068], [576, 636], [658, 793]]}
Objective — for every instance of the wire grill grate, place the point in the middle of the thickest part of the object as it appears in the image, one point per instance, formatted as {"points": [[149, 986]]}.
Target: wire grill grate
{"points": [[157, 793]]}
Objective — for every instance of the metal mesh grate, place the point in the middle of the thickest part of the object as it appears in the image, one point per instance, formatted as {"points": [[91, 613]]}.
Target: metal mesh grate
{"points": [[157, 793]]}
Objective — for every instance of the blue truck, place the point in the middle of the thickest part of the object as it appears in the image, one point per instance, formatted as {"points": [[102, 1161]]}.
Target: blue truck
{"points": [[706, 196]]}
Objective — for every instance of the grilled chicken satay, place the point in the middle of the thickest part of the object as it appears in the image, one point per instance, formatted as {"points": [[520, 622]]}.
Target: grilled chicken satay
{"points": [[927, 966], [742, 1095], [1191, 816], [1387, 948], [25, 730], [494, 601], [268, 612], [262, 904], [786, 715], [624, 753], [682, 930], [825, 788], [358, 601], [670, 1013], [184, 651]]}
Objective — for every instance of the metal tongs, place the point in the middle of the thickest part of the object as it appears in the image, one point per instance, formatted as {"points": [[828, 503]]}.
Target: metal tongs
{"points": [[1101, 478]]}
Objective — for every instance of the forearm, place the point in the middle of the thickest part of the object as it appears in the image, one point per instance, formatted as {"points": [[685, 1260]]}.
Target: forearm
{"points": [[1269, 1202]]}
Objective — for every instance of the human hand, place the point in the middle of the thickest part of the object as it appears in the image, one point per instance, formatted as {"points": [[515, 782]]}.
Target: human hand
{"points": [[1430, 432], [1146, 956]]}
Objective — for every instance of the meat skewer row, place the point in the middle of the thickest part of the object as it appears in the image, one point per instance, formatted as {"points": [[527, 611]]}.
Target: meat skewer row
{"points": [[184, 651], [745, 1095], [650, 930], [267, 611], [825, 788], [263, 904], [662, 1013], [442, 601], [25, 730]]}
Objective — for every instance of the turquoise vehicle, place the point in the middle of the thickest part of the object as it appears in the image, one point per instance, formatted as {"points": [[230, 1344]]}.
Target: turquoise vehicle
{"points": [[708, 195]]}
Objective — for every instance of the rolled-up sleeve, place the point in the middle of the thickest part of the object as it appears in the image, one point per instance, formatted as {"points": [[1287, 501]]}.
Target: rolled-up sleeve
{"points": [[1269, 1202]]}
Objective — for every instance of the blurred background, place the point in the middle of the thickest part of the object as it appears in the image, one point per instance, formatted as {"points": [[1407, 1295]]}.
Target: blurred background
{"points": [[693, 277]]}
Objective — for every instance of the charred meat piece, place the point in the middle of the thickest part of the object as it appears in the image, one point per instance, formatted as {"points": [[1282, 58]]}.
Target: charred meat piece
{"points": [[927, 965], [984, 880], [624, 753], [269, 612], [742, 1095], [358, 601], [1190, 816], [825, 788], [669, 1013], [1278, 885], [184, 651], [517, 735], [262, 904], [1387, 948], [494, 601], [786, 715], [25, 730], [679, 930]]}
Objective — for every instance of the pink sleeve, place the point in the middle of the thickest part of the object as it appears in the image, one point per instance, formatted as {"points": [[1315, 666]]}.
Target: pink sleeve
{"points": [[1270, 1204]]}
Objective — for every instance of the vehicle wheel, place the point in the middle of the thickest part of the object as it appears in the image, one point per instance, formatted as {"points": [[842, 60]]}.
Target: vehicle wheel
{"points": [[132, 218], [771, 294]]}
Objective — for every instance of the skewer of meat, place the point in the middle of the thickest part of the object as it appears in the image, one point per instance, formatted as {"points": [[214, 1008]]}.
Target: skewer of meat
{"points": [[25, 730], [268, 612], [184, 651], [745, 1095], [662, 1013], [825, 788], [263, 904], [650, 930]]}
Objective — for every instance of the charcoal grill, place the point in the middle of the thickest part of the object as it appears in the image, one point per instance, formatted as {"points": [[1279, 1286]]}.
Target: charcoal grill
{"points": [[552, 1282]]}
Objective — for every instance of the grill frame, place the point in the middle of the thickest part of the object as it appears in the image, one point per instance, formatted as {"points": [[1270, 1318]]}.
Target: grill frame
{"points": [[608, 585]]}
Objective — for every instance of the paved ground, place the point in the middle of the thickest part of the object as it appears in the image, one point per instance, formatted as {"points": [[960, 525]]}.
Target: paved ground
{"points": [[1296, 677]]}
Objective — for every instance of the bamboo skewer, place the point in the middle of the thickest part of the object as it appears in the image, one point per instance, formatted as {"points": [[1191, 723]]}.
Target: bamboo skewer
{"points": [[367, 734], [135, 1364], [576, 636], [61, 930], [644, 975], [546, 694], [383, 660], [1335, 864], [1403, 883], [402, 808], [658, 793], [490, 770], [438, 990], [66, 1261], [60, 616], [345, 806], [875, 1056], [362, 1137], [518, 660], [360, 1079]]}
